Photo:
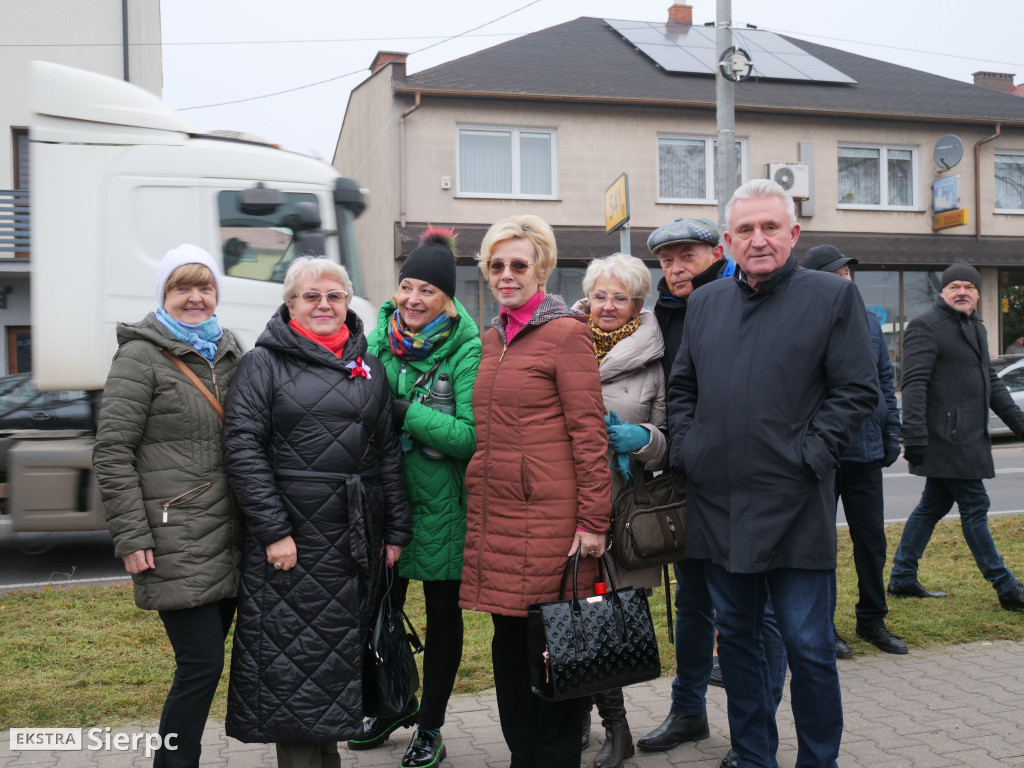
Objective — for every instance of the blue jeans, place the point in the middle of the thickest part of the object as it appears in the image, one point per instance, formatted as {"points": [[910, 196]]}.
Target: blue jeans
{"points": [[695, 642], [937, 499], [803, 601]]}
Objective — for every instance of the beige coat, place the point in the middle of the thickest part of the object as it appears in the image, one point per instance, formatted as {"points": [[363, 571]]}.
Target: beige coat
{"points": [[633, 385]]}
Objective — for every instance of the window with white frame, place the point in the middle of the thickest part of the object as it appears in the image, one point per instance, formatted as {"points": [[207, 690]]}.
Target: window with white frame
{"points": [[507, 162], [873, 176], [1010, 181], [688, 169]]}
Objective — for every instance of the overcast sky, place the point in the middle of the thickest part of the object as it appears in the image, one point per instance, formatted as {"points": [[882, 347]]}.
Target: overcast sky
{"points": [[217, 51]]}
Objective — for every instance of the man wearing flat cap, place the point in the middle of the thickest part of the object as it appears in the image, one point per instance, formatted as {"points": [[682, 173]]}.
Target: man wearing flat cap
{"points": [[948, 387], [859, 479], [690, 256]]}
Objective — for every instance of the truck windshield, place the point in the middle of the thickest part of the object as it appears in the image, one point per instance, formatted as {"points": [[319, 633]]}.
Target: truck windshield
{"points": [[259, 247]]}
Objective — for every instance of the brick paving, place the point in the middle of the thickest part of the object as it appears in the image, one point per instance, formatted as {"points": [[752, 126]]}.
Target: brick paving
{"points": [[955, 707]]}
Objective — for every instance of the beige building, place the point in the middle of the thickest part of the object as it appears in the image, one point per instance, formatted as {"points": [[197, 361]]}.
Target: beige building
{"points": [[113, 37], [545, 123]]}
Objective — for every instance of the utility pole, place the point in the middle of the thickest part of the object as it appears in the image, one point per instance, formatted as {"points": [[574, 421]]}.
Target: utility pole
{"points": [[725, 111]]}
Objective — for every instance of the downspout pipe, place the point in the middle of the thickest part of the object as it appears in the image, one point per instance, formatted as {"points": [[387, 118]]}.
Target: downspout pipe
{"points": [[401, 160], [124, 38], [977, 179]]}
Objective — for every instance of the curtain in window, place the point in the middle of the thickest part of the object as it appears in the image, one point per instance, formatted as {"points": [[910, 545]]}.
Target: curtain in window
{"points": [[1010, 182], [21, 159], [485, 161], [859, 180], [901, 175], [682, 169], [535, 163]]}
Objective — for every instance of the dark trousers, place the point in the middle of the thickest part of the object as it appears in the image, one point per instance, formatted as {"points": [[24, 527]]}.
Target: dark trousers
{"points": [[442, 647], [859, 485], [539, 733], [197, 637], [300, 754]]}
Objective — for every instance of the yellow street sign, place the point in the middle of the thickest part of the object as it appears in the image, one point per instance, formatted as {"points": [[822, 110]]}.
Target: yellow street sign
{"points": [[947, 219], [616, 204]]}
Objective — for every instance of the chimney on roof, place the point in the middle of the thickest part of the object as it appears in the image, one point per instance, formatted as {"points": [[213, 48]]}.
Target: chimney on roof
{"points": [[994, 81], [386, 57], [680, 14]]}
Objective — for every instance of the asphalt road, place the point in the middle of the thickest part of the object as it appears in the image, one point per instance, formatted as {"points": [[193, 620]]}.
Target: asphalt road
{"points": [[35, 560]]}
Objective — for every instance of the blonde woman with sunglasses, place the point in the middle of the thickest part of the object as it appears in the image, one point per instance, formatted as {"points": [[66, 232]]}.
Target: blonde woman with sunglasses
{"points": [[539, 486], [315, 464]]}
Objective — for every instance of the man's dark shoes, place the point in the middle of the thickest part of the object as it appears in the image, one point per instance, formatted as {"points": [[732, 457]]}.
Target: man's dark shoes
{"points": [[376, 730], [1014, 599], [882, 639], [842, 647], [912, 590], [676, 730], [716, 674], [731, 760], [426, 749]]}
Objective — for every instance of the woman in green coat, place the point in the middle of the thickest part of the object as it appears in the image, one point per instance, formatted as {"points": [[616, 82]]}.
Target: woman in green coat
{"points": [[429, 344]]}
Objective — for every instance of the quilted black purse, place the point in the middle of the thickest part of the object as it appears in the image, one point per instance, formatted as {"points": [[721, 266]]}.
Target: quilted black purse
{"points": [[580, 646], [649, 521]]}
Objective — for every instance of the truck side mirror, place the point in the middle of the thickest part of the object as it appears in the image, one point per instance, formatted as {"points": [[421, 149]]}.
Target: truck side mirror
{"points": [[260, 200], [348, 195], [309, 238]]}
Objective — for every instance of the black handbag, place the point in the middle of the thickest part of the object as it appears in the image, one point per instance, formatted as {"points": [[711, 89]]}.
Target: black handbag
{"points": [[390, 677], [579, 646], [649, 521]]}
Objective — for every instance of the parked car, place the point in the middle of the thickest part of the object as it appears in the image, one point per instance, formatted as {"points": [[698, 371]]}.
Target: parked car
{"points": [[1013, 377]]}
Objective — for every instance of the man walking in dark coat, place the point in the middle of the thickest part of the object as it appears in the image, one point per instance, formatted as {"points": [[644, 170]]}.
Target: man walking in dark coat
{"points": [[948, 387], [773, 379], [859, 479]]}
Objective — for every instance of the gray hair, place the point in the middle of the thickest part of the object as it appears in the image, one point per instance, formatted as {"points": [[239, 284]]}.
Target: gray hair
{"points": [[761, 188], [628, 270], [314, 268]]}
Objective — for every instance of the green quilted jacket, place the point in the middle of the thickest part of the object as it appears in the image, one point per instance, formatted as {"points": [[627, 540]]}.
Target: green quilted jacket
{"points": [[158, 462], [435, 487]]}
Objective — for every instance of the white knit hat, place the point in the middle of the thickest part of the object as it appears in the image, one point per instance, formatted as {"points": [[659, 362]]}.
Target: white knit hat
{"points": [[179, 257]]}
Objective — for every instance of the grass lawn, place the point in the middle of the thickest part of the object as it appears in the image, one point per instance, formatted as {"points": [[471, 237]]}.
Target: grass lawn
{"points": [[87, 657]]}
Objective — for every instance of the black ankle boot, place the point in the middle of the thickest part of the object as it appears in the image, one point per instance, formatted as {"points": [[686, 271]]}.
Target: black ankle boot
{"points": [[618, 741], [425, 750], [376, 730]]}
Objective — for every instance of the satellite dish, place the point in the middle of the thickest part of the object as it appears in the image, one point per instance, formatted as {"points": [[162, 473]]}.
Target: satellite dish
{"points": [[949, 151], [785, 178]]}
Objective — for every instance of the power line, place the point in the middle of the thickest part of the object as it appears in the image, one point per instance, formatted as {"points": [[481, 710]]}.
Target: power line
{"points": [[361, 69]]}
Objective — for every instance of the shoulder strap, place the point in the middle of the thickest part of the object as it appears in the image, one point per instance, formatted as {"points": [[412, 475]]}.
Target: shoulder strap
{"points": [[425, 377], [195, 380]]}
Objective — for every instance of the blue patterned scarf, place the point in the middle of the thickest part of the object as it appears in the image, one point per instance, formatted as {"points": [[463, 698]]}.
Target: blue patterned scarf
{"points": [[203, 337], [417, 346]]}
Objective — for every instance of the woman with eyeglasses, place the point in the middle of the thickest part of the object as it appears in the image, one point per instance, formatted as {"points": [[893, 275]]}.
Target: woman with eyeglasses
{"points": [[169, 509], [628, 346], [315, 464], [539, 484], [427, 341]]}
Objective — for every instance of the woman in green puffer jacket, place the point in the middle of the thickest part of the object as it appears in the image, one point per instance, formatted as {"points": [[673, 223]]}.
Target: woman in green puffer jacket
{"points": [[424, 334], [157, 459]]}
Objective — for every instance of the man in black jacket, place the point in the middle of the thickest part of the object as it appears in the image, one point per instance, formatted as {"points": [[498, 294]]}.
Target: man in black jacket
{"points": [[773, 379], [948, 387]]}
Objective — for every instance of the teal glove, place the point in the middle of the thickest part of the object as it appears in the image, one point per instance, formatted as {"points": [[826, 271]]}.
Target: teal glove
{"points": [[626, 437], [619, 461]]}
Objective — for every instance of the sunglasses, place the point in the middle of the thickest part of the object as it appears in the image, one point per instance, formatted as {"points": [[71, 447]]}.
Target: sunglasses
{"points": [[497, 267], [313, 297]]}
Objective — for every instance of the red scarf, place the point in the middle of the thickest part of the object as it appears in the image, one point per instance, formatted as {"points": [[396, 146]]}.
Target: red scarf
{"points": [[335, 342], [516, 319]]}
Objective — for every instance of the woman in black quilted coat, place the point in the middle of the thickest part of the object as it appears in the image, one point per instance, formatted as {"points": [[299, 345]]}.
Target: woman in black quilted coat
{"points": [[316, 467]]}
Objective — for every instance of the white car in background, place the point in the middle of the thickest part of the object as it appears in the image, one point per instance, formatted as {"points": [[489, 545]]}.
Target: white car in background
{"points": [[1013, 377]]}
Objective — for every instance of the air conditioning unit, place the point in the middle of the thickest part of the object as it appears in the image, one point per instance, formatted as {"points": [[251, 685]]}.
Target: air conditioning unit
{"points": [[795, 178]]}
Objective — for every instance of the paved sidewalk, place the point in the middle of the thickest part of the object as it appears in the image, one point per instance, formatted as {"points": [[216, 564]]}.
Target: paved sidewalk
{"points": [[957, 707]]}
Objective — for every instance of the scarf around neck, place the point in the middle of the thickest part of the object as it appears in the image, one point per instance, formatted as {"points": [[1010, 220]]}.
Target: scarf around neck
{"points": [[334, 342], [517, 318], [605, 340], [411, 345], [203, 337]]}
